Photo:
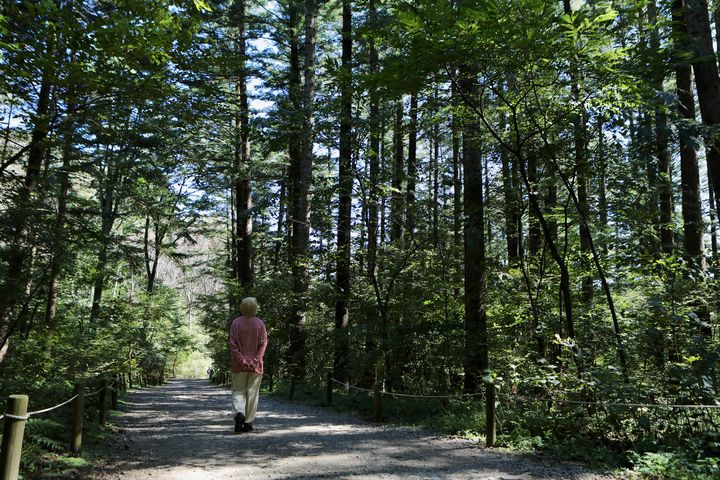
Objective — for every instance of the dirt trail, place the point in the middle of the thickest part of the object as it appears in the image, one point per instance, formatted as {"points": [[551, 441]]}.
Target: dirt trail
{"points": [[183, 430]]}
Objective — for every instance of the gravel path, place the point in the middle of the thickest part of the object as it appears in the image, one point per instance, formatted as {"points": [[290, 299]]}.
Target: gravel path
{"points": [[183, 430]]}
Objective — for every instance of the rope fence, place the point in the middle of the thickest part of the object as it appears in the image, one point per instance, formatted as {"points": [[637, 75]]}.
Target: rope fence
{"points": [[16, 416], [537, 399], [409, 395], [612, 404], [55, 407]]}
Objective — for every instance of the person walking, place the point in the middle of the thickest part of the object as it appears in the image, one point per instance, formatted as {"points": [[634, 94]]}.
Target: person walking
{"points": [[248, 340]]}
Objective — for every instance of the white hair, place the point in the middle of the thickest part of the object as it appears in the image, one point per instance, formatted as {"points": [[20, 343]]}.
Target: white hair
{"points": [[249, 306]]}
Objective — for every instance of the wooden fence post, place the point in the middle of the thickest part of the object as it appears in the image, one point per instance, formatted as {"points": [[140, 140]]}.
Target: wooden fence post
{"points": [[377, 390], [12, 440], [102, 407], [76, 420], [490, 414], [329, 389], [377, 402]]}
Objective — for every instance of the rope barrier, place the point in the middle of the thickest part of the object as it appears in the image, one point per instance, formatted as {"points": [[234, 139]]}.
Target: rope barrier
{"points": [[407, 395], [538, 399], [609, 404], [38, 412], [49, 409]]}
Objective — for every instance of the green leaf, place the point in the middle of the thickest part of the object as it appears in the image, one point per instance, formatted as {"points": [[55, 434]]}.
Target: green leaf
{"points": [[608, 16], [201, 6]]}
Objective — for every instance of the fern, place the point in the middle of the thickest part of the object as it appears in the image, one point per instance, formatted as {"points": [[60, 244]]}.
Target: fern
{"points": [[46, 433]]}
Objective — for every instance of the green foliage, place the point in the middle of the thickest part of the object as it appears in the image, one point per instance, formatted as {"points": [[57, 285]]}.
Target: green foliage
{"points": [[676, 466]]}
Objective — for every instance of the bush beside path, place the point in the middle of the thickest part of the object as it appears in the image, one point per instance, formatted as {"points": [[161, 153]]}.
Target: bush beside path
{"points": [[184, 430]]}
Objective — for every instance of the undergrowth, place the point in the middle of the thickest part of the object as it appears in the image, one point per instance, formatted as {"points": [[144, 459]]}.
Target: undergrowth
{"points": [[46, 453]]}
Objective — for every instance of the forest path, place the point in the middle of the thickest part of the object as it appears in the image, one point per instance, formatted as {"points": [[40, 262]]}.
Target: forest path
{"points": [[184, 430]]}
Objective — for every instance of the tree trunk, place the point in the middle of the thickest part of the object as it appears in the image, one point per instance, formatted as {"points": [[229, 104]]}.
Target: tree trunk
{"points": [[662, 138], [301, 177], [512, 238], [345, 184], [689, 170], [707, 80], [457, 181], [412, 166], [60, 220], [435, 174], [373, 154], [602, 181], [396, 201], [476, 359], [241, 171], [581, 166]]}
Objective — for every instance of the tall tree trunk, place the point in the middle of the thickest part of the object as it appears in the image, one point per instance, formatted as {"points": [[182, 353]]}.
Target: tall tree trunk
{"points": [[602, 181], [646, 151], [412, 165], [707, 80], [373, 154], [690, 175], [512, 238], [457, 181], [435, 173], [396, 201], [345, 184], [107, 221], [241, 160], [662, 138], [301, 177], [60, 220], [689, 170], [581, 166], [476, 360]]}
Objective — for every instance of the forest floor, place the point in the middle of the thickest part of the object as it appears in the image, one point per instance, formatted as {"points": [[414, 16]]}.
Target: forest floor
{"points": [[184, 430]]}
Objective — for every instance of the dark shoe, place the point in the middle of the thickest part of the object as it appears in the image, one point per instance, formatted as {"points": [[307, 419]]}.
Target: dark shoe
{"points": [[247, 427], [239, 423]]}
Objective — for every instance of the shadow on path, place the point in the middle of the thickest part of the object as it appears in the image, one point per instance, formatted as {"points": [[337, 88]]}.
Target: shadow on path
{"points": [[183, 430]]}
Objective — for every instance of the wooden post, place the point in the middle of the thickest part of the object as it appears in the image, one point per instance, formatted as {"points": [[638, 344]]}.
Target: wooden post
{"points": [[490, 414], [76, 420], [329, 389], [114, 393], [12, 440], [102, 407], [377, 391], [377, 402]]}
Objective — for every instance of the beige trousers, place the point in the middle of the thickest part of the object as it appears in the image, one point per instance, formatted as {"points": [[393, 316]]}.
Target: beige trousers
{"points": [[245, 390]]}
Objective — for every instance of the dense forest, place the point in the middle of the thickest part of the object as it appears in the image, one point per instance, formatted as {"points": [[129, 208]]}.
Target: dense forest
{"points": [[518, 199]]}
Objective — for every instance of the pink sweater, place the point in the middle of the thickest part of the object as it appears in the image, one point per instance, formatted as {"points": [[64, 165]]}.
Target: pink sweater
{"points": [[248, 340]]}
